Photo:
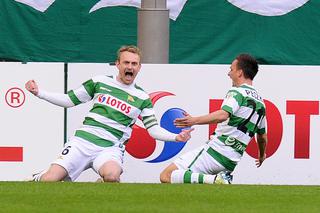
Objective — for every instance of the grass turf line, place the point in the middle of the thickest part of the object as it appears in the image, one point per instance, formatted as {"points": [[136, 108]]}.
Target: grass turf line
{"points": [[103, 197]]}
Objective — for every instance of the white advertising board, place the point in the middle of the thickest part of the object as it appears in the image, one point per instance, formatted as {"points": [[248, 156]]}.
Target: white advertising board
{"points": [[32, 130]]}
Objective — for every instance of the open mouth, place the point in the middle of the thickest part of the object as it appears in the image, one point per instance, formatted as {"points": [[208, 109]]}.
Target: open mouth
{"points": [[128, 73]]}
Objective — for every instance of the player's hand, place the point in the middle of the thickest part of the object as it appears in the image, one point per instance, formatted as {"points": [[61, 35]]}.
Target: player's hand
{"points": [[32, 87], [186, 121], [184, 135], [260, 160]]}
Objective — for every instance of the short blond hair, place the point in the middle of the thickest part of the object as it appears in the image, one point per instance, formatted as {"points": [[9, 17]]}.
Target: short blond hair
{"points": [[129, 48]]}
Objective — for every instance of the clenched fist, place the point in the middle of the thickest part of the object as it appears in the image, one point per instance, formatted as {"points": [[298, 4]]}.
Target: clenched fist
{"points": [[32, 87]]}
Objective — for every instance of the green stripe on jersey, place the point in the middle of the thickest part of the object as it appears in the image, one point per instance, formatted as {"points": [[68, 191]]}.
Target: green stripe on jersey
{"points": [[112, 114], [227, 109], [236, 121], [74, 98], [234, 143], [236, 95], [224, 161], [91, 122], [90, 87], [247, 87], [93, 138], [146, 104]]}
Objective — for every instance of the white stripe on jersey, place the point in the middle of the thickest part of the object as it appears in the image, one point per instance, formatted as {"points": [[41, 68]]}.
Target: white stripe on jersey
{"points": [[99, 132], [126, 135], [107, 121], [82, 94], [244, 112], [148, 119], [231, 102], [147, 112], [233, 132]]}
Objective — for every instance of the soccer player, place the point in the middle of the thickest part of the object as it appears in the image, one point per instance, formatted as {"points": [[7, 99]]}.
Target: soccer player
{"points": [[100, 142], [241, 117]]}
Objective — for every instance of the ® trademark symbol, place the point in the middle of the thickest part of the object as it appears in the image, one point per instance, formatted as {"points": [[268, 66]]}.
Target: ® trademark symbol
{"points": [[15, 97]]}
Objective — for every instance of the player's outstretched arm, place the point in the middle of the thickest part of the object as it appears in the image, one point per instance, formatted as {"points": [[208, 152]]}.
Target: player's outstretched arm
{"points": [[58, 99], [214, 117], [162, 134]]}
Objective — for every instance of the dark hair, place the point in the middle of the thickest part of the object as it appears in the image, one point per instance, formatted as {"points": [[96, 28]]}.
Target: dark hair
{"points": [[248, 64]]}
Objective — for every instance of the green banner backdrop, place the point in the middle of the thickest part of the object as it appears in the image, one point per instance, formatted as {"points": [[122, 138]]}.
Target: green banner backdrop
{"points": [[206, 31]]}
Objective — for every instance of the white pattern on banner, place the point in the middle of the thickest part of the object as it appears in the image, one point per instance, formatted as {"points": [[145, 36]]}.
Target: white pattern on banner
{"points": [[268, 7], [175, 6], [40, 5]]}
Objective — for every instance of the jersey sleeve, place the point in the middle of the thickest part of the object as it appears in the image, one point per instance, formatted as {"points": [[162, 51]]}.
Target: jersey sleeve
{"points": [[58, 99], [231, 103], [148, 115], [82, 94]]}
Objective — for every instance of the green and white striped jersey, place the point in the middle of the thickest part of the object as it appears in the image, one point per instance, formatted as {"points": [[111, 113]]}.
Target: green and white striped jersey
{"points": [[116, 107], [247, 117]]}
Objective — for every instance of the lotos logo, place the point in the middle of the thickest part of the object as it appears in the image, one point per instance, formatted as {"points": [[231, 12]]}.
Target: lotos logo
{"points": [[101, 99], [114, 103], [142, 145]]}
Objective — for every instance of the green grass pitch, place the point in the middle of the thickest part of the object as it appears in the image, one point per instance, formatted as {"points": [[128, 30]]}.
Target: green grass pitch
{"points": [[125, 197]]}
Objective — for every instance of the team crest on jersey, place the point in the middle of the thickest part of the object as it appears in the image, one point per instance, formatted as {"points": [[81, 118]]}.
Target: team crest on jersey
{"points": [[231, 94], [230, 141], [130, 98]]}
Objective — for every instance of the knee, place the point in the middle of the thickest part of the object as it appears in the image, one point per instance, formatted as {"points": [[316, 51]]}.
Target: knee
{"points": [[165, 177], [110, 171], [49, 177], [111, 178], [54, 174]]}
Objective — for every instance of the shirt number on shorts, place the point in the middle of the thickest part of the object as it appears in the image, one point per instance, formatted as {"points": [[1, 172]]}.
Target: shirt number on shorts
{"points": [[66, 150]]}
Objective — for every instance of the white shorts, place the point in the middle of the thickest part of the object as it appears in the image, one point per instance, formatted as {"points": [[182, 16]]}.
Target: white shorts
{"points": [[199, 161], [79, 155]]}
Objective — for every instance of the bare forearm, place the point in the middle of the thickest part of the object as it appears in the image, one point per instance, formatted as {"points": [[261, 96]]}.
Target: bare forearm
{"points": [[214, 117], [262, 143]]}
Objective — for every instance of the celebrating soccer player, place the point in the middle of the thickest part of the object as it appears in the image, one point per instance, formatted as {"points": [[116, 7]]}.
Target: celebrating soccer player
{"points": [[241, 117], [100, 142]]}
